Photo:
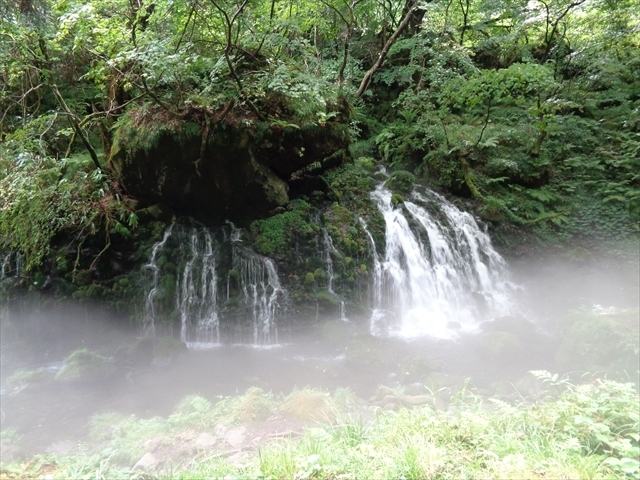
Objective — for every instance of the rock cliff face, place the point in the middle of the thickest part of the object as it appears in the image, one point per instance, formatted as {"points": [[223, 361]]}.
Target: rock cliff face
{"points": [[237, 171]]}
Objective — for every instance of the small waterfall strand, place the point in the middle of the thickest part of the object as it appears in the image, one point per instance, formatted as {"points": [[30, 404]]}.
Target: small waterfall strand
{"points": [[197, 291], [149, 318], [263, 294]]}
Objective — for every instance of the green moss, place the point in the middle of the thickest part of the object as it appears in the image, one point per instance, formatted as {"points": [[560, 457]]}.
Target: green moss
{"points": [[83, 364], [340, 216], [309, 279], [327, 299], [275, 236], [396, 199], [142, 128], [254, 405], [367, 163], [401, 182], [319, 274]]}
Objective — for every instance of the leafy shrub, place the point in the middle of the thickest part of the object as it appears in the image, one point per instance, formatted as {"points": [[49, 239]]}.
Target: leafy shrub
{"points": [[41, 197]]}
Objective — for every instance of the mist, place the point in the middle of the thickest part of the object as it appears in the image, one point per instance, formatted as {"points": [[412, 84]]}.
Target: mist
{"points": [[330, 353]]}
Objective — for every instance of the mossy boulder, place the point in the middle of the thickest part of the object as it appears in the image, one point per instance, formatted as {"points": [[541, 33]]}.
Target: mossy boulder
{"points": [[397, 199], [167, 348], [231, 169], [84, 365], [401, 182], [498, 347], [138, 352]]}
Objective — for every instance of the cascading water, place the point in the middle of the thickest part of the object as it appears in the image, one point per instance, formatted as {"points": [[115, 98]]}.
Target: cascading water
{"points": [[149, 318], [263, 295], [184, 279], [197, 291], [328, 250], [11, 265], [439, 275]]}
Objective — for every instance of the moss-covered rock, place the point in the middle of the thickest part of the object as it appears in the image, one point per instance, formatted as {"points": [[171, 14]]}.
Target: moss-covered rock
{"points": [[22, 377], [83, 365], [230, 170], [401, 182], [397, 199], [166, 348], [255, 405]]}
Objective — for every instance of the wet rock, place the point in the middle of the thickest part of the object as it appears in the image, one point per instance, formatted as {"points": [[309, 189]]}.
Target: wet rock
{"points": [[166, 349], [233, 174]]}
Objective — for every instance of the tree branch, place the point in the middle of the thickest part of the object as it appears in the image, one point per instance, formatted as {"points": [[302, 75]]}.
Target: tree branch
{"points": [[385, 50]]}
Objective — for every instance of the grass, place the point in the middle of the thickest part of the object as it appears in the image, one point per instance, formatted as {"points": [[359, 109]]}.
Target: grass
{"points": [[578, 431]]}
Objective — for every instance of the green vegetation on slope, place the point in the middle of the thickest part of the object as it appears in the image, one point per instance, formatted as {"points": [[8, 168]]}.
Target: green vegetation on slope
{"points": [[576, 431]]}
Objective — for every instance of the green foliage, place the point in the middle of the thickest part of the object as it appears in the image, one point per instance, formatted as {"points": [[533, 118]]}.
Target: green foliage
{"points": [[577, 431], [42, 197]]}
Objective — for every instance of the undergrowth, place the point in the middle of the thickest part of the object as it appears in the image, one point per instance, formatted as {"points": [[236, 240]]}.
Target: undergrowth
{"points": [[576, 431]]}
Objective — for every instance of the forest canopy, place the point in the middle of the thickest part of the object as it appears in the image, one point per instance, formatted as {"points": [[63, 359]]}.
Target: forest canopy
{"points": [[532, 108]]}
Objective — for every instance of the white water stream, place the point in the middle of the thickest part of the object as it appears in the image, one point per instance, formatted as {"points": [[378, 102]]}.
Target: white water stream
{"points": [[439, 275]]}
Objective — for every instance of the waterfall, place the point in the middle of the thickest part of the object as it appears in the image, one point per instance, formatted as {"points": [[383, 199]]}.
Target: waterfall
{"points": [[376, 294], [184, 283], [328, 250], [439, 274], [149, 318], [262, 293], [11, 265], [197, 291]]}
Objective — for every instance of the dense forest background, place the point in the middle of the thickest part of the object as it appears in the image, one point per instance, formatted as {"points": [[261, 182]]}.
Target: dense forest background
{"points": [[530, 110]]}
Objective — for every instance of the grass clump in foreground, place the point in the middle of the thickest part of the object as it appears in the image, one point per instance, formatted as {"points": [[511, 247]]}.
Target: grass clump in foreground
{"points": [[583, 431]]}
